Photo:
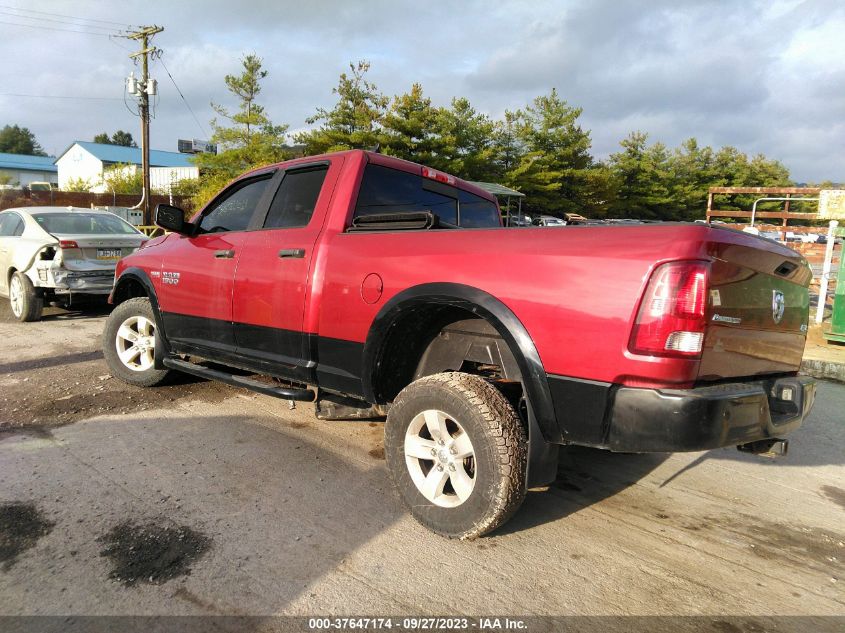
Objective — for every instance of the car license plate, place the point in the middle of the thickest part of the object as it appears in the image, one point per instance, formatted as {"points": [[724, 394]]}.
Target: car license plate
{"points": [[108, 253]]}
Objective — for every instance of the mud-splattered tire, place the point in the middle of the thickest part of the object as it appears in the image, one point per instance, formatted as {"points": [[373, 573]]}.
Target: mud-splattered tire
{"points": [[24, 300], [457, 454], [129, 344]]}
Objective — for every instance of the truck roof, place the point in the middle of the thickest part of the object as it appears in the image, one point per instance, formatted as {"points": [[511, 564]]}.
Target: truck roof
{"points": [[385, 160]]}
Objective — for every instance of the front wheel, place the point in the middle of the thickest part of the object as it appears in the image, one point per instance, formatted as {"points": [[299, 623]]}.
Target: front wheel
{"points": [[129, 344], [457, 454]]}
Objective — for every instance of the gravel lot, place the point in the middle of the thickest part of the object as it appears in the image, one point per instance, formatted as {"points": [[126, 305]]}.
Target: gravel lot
{"points": [[197, 498]]}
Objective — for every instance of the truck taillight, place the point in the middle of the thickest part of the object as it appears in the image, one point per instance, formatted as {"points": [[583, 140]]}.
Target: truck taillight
{"points": [[439, 176], [671, 320]]}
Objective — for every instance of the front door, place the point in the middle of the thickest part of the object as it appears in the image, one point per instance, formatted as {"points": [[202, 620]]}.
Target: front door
{"points": [[272, 280], [197, 273]]}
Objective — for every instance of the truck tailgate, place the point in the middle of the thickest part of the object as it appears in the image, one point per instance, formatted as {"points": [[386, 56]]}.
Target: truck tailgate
{"points": [[757, 309]]}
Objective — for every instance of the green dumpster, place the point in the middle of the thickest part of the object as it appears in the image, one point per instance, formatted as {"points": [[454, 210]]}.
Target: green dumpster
{"points": [[837, 319]]}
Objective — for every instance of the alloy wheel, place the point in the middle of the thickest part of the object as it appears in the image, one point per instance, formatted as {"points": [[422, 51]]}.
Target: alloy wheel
{"points": [[135, 342], [16, 296], [440, 458]]}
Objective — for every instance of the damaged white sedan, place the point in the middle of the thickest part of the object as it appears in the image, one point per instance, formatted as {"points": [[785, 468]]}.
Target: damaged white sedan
{"points": [[51, 254]]}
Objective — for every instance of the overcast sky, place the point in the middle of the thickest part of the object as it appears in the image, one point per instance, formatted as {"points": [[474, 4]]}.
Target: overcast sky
{"points": [[766, 76]]}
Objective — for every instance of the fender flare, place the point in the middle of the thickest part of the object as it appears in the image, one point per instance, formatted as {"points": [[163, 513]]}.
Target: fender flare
{"points": [[486, 306]]}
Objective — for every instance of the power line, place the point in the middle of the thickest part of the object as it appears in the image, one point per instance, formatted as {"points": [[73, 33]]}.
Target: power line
{"points": [[16, 94], [53, 28], [113, 40], [188, 105], [109, 29], [59, 15]]}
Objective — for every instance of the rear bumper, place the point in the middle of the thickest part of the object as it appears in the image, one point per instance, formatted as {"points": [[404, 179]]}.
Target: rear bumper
{"points": [[63, 280], [668, 420], [638, 420]]}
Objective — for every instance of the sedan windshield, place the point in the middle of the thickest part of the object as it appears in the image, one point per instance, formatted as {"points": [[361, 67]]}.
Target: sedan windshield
{"points": [[83, 224]]}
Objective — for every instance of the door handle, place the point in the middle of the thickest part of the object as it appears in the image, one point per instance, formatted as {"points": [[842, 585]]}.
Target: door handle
{"points": [[224, 254], [298, 253]]}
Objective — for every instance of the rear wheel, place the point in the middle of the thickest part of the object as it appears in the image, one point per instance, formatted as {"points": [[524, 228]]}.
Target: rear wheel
{"points": [[23, 298], [457, 454], [129, 344]]}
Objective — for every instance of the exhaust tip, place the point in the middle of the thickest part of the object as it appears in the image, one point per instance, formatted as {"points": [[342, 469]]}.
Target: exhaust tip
{"points": [[773, 447]]}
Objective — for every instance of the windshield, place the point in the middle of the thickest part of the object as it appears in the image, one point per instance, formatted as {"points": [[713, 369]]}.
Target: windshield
{"points": [[83, 224]]}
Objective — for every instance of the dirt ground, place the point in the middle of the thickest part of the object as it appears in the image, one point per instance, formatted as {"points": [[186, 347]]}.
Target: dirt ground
{"points": [[197, 498]]}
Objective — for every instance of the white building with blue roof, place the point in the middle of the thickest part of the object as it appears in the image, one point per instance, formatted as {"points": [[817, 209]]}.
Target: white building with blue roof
{"points": [[23, 169], [88, 161]]}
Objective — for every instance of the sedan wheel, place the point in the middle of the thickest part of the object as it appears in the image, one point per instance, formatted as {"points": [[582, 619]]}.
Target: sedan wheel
{"points": [[24, 299], [16, 296]]}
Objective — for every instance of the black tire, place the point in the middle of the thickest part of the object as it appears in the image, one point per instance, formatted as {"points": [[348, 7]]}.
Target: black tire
{"points": [[31, 304], [500, 452], [129, 309]]}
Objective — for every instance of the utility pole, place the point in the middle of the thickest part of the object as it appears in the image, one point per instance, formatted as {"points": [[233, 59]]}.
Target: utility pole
{"points": [[144, 90]]}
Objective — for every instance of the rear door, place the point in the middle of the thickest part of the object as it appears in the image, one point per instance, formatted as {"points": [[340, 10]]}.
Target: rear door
{"points": [[197, 273], [272, 281]]}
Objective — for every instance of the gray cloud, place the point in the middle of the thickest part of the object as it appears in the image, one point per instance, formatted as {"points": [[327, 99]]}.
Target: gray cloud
{"points": [[764, 76]]}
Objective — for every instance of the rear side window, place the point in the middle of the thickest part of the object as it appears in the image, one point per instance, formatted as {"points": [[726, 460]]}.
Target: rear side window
{"points": [[478, 212], [385, 190], [296, 198], [11, 225], [235, 210]]}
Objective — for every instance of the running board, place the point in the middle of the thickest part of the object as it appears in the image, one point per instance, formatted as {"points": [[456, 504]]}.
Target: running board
{"points": [[305, 395]]}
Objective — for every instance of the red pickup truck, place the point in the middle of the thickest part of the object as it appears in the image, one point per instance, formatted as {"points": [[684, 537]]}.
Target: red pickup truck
{"points": [[376, 286]]}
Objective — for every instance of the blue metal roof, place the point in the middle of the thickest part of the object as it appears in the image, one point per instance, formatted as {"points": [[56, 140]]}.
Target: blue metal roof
{"points": [[131, 155], [27, 162]]}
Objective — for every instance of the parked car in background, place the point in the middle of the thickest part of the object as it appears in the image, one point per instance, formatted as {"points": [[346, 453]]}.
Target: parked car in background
{"points": [[53, 253], [548, 220], [518, 220]]}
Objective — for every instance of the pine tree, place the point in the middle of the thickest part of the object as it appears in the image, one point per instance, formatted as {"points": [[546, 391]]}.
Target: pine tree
{"points": [[246, 139], [642, 179], [554, 170], [354, 121], [466, 139], [408, 128], [19, 140]]}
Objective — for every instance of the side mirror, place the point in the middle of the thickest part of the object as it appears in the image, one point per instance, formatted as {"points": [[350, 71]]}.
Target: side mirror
{"points": [[171, 218]]}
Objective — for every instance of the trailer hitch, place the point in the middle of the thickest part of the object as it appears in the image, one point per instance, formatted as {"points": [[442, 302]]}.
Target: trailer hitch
{"points": [[766, 448]]}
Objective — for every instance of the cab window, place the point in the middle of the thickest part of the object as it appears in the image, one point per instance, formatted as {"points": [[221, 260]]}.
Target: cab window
{"points": [[477, 212], [234, 211], [386, 190], [294, 202]]}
